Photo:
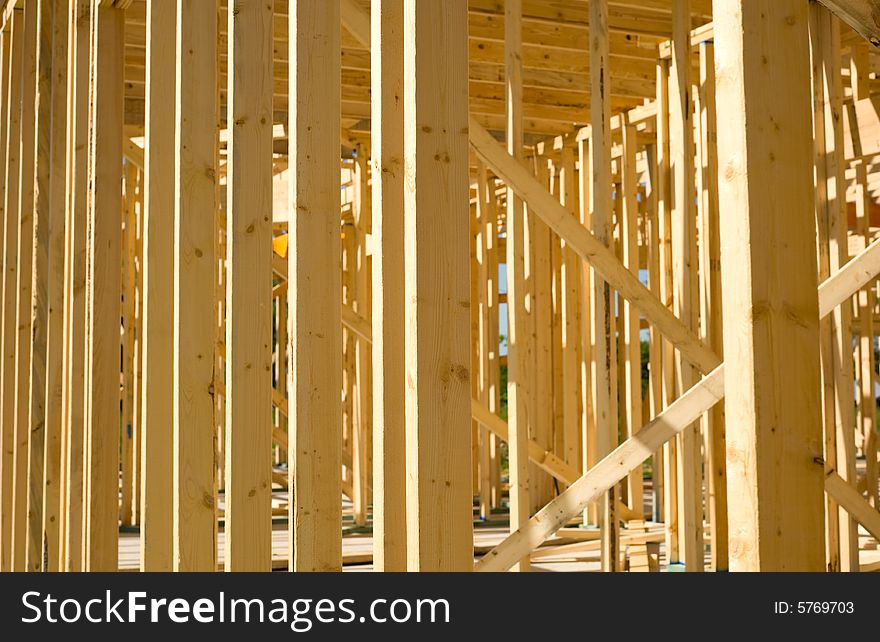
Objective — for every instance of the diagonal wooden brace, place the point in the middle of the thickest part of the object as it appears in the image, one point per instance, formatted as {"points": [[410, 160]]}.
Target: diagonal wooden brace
{"points": [[675, 418], [589, 248]]}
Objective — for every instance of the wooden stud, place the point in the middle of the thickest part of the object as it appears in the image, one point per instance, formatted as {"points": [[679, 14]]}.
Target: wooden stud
{"points": [[544, 459], [711, 313], [608, 472], [5, 79], [678, 416], [474, 241], [665, 291], [831, 221], [603, 299], [195, 275], [20, 398], [104, 309], [859, 70], [493, 392], [541, 488], [481, 282], [588, 425], [655, 341], [772, 395], [518, 348], [569, 290], [12, 126], [315, 288], [684, 259], [631, 332], [44, 137], [73, 393], [127, 458], [588, 247], [439, 516], [138, 351], [158, 336], [867, 302], [349, 353], [389, 446], [249, 290], [363, 425], [52, 475]]}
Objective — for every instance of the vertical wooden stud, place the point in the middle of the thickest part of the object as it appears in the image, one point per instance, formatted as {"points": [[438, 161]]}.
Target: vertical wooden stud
{"points": [[772, 363], [518, 393], [52, 498], [195, 276], [437, 291], [249, 289], [389, 449], [158, 316], [23, 304], [15, 36], [603, 301], [104, 307], [73, 393], [315, 445]]}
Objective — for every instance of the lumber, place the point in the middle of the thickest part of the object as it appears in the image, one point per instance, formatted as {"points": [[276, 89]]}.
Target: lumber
{"points": [[589, 354], [545, 459], [853, 502], [361, 441], [607, 472], [248, 469], [52, 468], [12, 125], [544, 324], [195, 325], [23, 303], [76, 197], [158, 305], [103, 298], [128, 437], [771, 315], [686, 289], [866, 303], [711, 327], [519, 345], [588, 247], [568, 295], [5, 46], [39, 275], [602, 334], [643, 171], [832, 234], [437, 289], [631, 331], [615, 467], [481, 293], [389, 377], [314, 379]]}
